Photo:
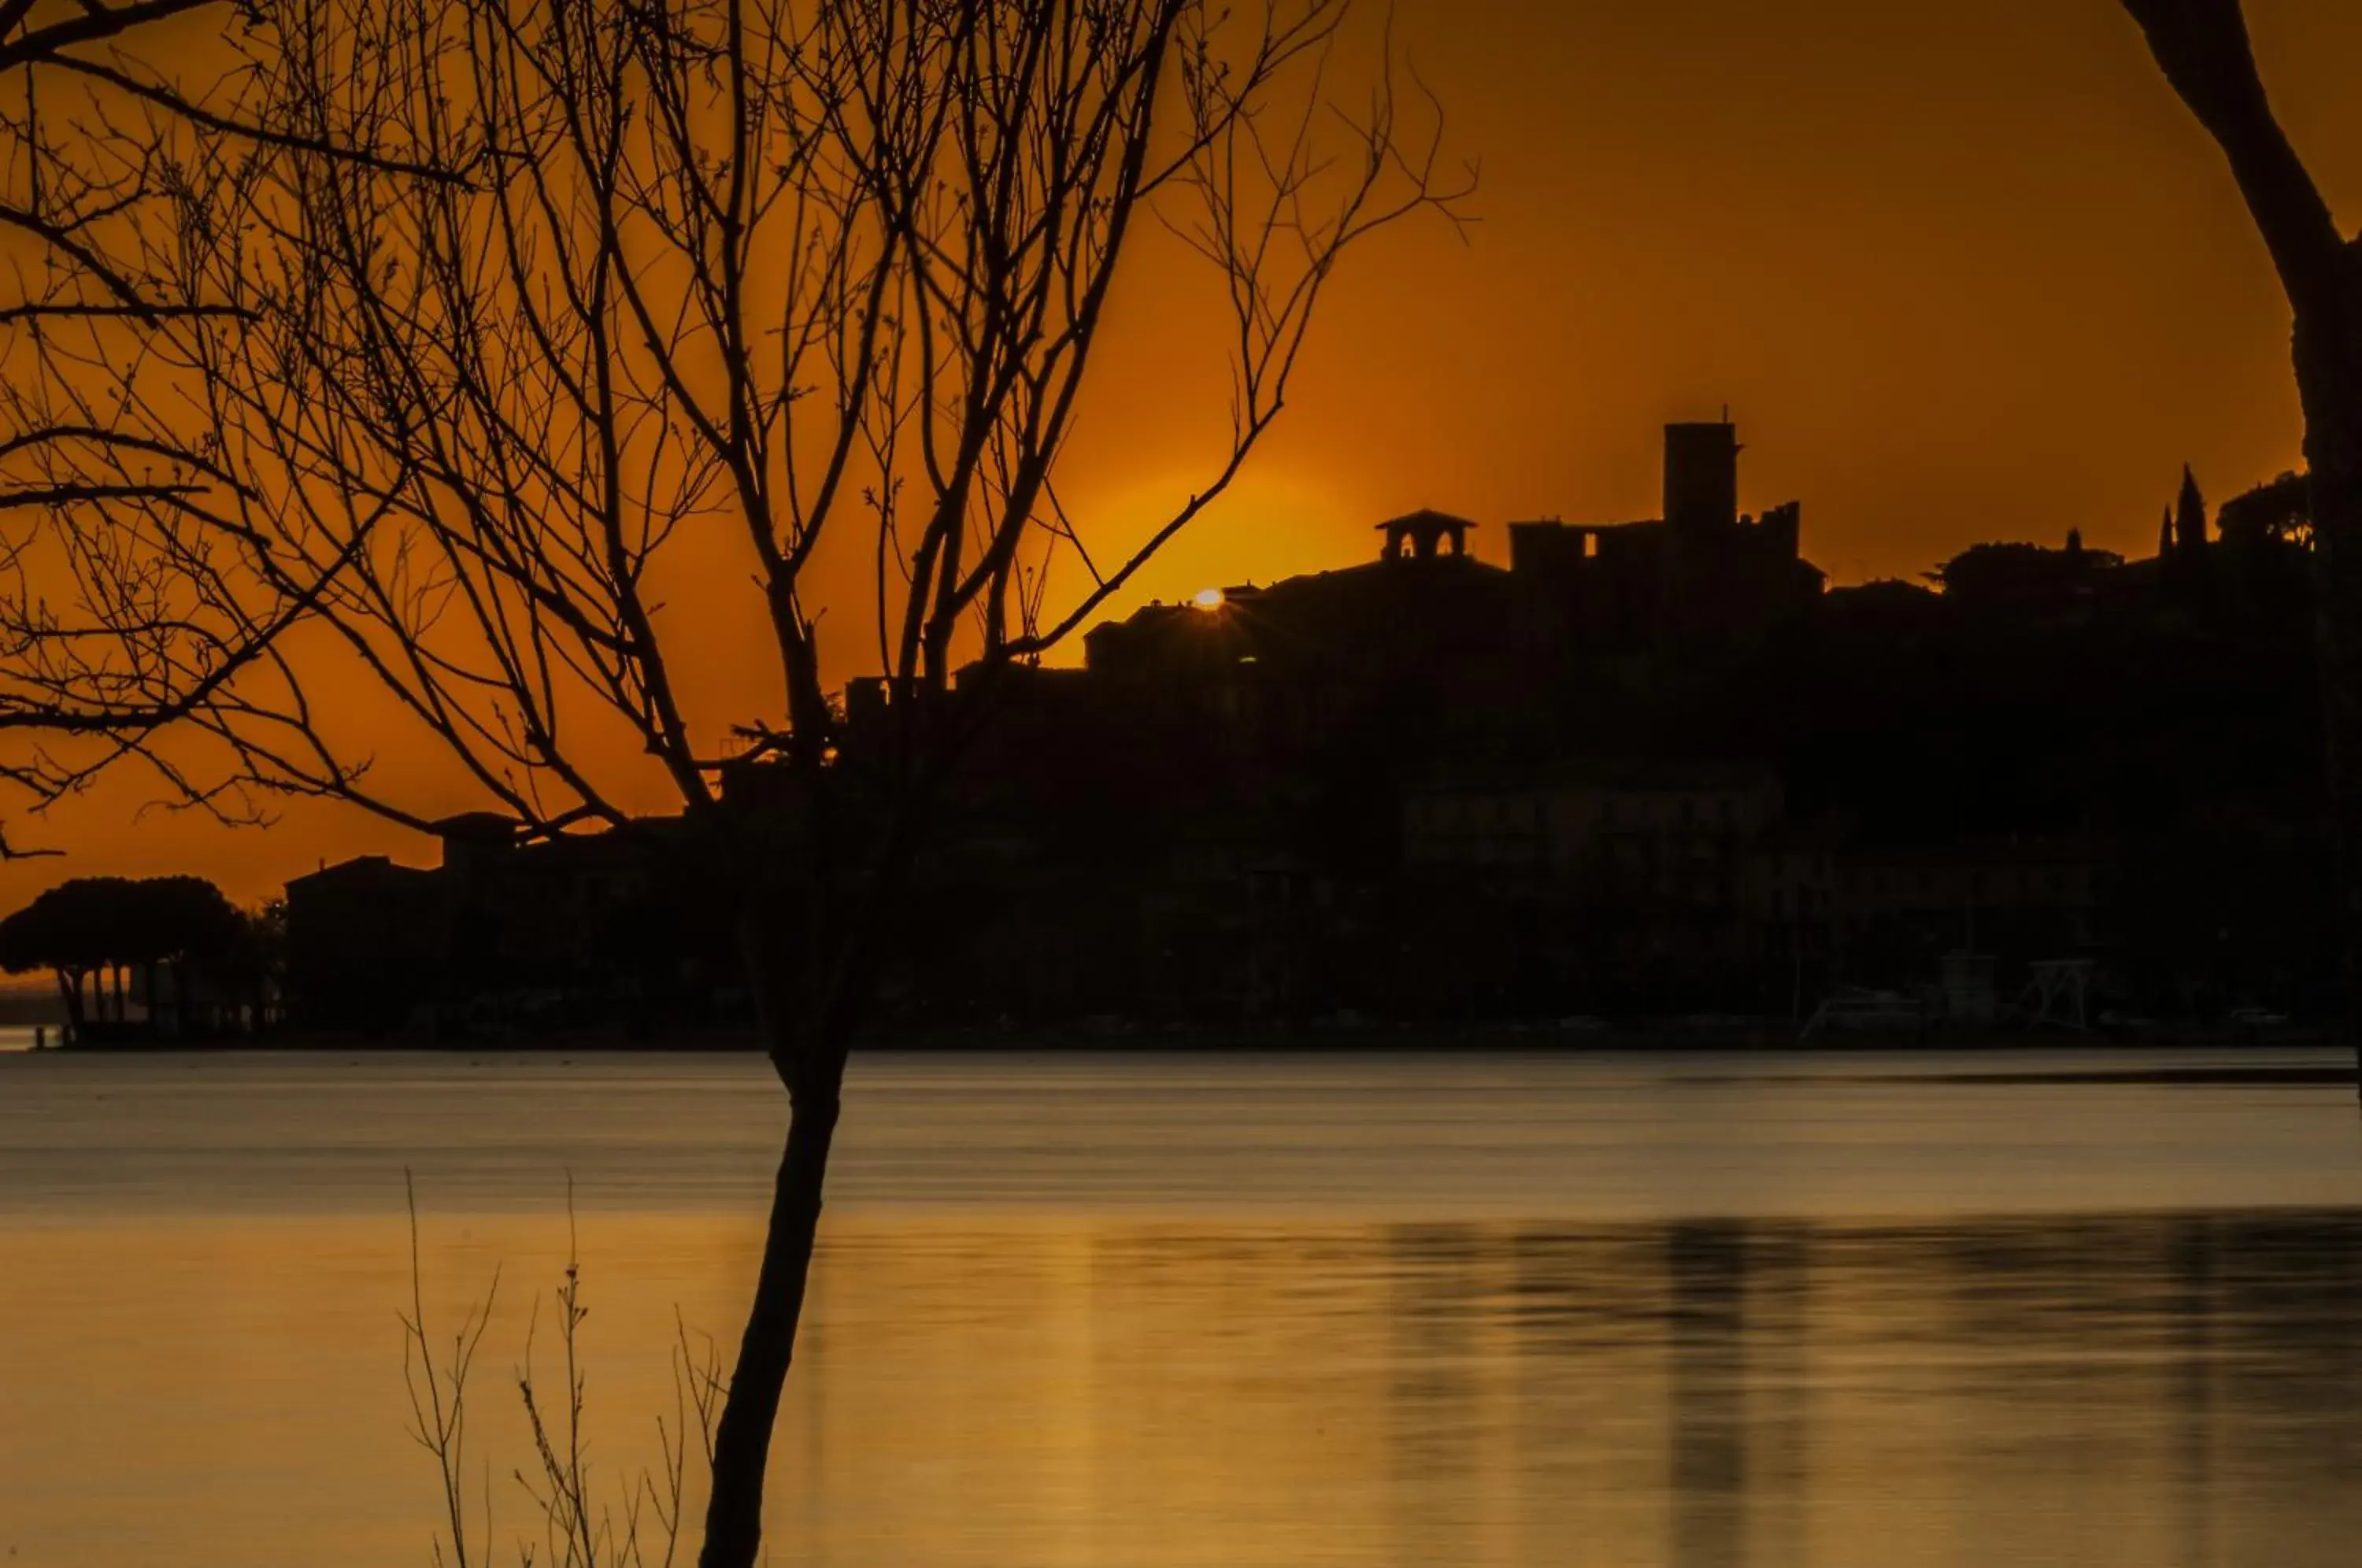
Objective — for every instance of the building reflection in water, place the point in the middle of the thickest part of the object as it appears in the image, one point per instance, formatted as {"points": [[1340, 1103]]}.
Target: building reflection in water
{"points": [[1706, 1269], [1709, 1395]]}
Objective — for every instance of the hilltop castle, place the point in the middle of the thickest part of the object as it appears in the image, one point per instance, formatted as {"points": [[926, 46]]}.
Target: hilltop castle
{"points": [[1427, 614]]}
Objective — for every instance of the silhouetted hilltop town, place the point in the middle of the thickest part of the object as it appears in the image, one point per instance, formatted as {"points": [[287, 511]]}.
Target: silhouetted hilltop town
{"points": [[1652, 768]]}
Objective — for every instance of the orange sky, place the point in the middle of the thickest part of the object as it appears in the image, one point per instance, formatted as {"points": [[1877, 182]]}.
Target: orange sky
{"points": [[1961, 273]]}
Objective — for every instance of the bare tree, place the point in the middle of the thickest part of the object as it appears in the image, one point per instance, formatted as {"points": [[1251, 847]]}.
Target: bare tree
{"points": [[774, 283], [2205, 52]]}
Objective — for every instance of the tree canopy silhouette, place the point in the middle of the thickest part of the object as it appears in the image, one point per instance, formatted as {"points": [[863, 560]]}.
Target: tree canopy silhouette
{"points": [[2278, 512], [95, 923]]}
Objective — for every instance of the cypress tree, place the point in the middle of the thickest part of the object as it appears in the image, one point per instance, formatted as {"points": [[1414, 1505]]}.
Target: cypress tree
{"points": [[2190, 516]]}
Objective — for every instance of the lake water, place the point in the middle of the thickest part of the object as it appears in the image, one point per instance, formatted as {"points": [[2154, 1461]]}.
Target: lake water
{"points": [[1154, 1312]]}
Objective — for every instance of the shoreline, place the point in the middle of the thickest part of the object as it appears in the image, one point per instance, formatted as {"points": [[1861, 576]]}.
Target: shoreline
{"points": [[1421, 1039]]}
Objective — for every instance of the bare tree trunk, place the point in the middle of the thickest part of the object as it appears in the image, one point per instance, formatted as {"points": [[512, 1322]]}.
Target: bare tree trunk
{"points": [[70, 987], [2329, 368], [812, 946], [742, 1440], [788, 936]]}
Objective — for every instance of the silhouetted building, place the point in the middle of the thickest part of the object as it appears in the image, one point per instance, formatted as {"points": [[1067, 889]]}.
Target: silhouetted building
{"points": [[1899, 910], [1621, 880], [1423, 536], [1436, 646], [1426, 624], [1701, 570], [503, 932]]}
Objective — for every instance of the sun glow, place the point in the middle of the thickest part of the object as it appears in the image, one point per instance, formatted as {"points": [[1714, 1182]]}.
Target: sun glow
{"points": [[1210, 598]]}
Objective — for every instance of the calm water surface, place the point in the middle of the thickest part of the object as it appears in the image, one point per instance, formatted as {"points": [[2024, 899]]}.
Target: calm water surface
{"points": [[1155, 1312]]}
